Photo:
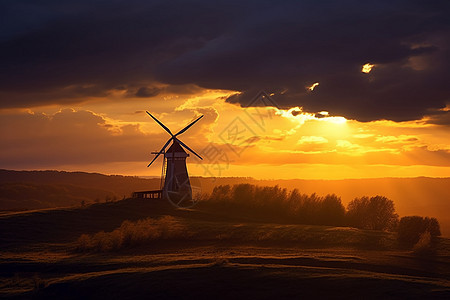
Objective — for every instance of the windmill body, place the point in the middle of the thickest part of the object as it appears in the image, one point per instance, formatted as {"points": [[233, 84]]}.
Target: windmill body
{"points": [[176, 183], [177, 187]]}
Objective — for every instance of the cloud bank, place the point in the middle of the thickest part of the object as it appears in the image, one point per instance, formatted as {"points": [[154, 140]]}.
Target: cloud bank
{"points": [[67, 51]]}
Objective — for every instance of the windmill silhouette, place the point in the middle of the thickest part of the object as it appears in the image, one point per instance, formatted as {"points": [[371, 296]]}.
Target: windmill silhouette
{"points": [[175, 183]]}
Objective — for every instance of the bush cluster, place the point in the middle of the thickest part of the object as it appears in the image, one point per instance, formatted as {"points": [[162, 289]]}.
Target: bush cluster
{"points": [[415, 230], [132, 234], [276, 204]]}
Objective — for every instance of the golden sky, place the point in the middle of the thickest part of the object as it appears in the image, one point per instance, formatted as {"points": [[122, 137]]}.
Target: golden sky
{"points": [[114, 135]]}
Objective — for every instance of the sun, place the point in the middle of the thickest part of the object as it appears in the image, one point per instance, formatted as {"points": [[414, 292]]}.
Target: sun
{"points": [[367, 68]]}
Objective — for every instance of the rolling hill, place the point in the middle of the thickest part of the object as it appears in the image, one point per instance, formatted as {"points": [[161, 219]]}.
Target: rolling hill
{"points": [[215, 256], [412, 196]]}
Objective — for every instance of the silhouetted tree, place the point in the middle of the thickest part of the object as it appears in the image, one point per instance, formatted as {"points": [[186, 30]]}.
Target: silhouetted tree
{"points": [[331, 211], [276, 204], [375, 213], [293, 200], [221, 193], [243, 193], [411, 228]]}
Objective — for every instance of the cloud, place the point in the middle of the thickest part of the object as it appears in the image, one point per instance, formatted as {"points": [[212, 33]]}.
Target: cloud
{"points": [[283, 48], [68, 52], [439, 117], [397, 139], [69, 137], [160, 89], [312, 144], [349, 154], [312, 140], [344, 144], [78, 43], [147, 92]]}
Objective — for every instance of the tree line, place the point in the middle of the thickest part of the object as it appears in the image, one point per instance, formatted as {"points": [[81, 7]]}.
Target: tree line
{"points": [[272, 203]]}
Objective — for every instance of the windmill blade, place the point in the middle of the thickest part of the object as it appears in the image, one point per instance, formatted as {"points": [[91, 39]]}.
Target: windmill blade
{"points": [[184, 145], [159, 153], [162, 125], [188, 126]]}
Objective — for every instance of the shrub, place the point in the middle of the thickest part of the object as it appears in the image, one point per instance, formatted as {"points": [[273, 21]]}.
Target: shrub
{"points": [[132, 234], [411, 229], [423, 246], [375, 213]]}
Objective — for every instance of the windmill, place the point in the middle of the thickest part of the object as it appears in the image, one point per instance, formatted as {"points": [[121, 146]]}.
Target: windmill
{"points": [[176, 187]]}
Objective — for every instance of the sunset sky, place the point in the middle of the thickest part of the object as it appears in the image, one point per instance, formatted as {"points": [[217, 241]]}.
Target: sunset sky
{"points": [[288, 89]]}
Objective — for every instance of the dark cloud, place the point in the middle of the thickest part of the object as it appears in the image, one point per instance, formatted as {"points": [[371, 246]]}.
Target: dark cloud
{"points": [[152, 91], [102, 44], [439, 118], [247, 46], [146, 92], [286, 50]]}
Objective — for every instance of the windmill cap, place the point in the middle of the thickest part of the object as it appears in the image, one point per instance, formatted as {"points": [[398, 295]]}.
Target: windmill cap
{"points": [[175, 148]]}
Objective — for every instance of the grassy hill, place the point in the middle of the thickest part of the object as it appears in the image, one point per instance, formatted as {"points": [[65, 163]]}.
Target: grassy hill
{"points": [[412, 196], [214, 252], [54, 226]]}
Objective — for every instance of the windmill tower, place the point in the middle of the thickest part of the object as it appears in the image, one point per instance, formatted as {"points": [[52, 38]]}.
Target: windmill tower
{"points": [[176, 187]]}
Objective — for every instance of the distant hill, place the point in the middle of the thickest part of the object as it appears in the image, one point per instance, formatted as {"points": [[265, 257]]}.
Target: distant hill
{"points": [[26, 196], [412, 196], [22, 190], [120, 185]]}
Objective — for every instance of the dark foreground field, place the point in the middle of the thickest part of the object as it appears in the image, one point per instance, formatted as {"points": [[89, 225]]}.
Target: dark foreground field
{"points": [[208, 256]]}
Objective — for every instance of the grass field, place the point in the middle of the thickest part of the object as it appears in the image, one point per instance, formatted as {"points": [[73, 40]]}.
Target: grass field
{"points": [[164, 253]]}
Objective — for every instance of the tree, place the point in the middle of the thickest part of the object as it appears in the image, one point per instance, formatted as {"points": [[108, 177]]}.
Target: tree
{"points": [[243, 192], [331, 211], [375, 213], [411, 228], [221, 193]]}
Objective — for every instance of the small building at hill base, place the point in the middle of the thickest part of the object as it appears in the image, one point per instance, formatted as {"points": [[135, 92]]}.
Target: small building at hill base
{"points": [[156, 194]]}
